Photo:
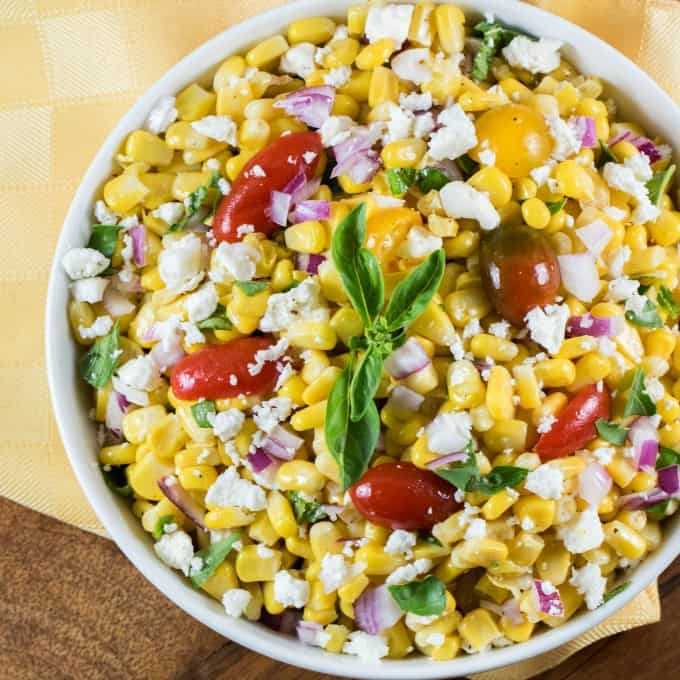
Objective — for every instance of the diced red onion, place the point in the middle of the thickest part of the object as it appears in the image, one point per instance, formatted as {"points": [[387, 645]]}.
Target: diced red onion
{"points": [[300, 189], [594, 483], [642, 500], [586, 130], [308, 632], [138, 234], [134, 285], [642, 144], [595, 326], [308, 262], [376, 610], [279, 207], [579, 275], [509, 609], [311, 105], [595, 236], [312, 210], [456, 457], [115, 303], [361, 167], [549, 600], [116, 407], [361, 139], [281, 444], [259, 460], [649, 452], [669, 479], [644, 437], [404, 400], [180, 497], [409, 358]]}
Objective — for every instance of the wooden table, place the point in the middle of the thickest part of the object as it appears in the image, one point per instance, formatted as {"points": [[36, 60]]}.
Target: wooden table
{"points": [[72, 607]]}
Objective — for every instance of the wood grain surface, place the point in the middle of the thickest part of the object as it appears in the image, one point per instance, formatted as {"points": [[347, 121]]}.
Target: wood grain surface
{"points": [[73, 608]]}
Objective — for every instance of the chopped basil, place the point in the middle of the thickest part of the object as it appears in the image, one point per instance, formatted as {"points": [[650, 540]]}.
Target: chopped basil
{"points": [[657, 186], [606, 156], [162, 522], [306, 510], [494, 36], [658, 511], [639, 403], [467, 166], [195, 200], [611, 432], [555, 206], [460, 474], [501, 477], [648, 317], [429, 538], [104, 238], [116, 479], [211, 557], [430, 179], [98, 364], [293, 284], [667, 457], [666, 300], [400, 180], [251, 288], [425, 598], [219, 321], [202, 410], [614, 592]]}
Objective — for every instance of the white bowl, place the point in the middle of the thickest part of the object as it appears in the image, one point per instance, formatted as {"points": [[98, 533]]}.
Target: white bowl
{"points": [[637, 95]]}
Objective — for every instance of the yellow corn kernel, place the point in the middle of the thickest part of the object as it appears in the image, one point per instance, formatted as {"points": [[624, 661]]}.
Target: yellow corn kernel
{"points": [[498, 504], [450, 530], [423, 381], [590, 369], [143, 147], [535, 213], [197, 477], [347, 324], [324, 538], [450, 24], [356, 18], [227, 518], [573, 348], [506, 434], [312, 335], [666, 229], [316, 362], [253, 133], [574, 181], [555, 372], [351, 590], [197, 454], [434, 324], [465, 387], [554, 563], [272, 605], [166, 436], [321, 387], [137, 424], [525, 548], [621, 471], [233, 99], [299, 546], [635, 519], [344, 105], [645, 260], [660, 343], [375, 54], [233, 67], [643, 481], [535, 514], [124, 192], [144, 474], [478, 629], [486, 345], [527, 386], [494, 182], [465, 305], [626, 541], [404, 153], [262, 531], [481, 552], [651, 532], [359, 86], [120, 454], [181, 135], [378, 562], [306, 237], [252, 565], [499, 393], [300, 475], [267, 52], [193, 103], [316, 30]]}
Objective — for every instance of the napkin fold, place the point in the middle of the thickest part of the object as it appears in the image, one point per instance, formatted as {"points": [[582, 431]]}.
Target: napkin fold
{"points": [[82, 65]]}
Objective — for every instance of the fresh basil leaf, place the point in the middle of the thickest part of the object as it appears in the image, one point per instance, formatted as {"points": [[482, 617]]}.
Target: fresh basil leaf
{"points": [[555, 206], [219, 321], [425, 598], [365, 382], [460, 474], [606, 156], [658, 511], [293, 284], [667, 457], [202, 412], [431, 179], [305, 510], [358, 268], [350, 443], [104, 238], [162, 522], [467, 166], [429, 538], [639, 403], [648, 317], [400, 180], [195, 200], [116, 479], [99, 363], [413, 294], [657, 186], [251, 288], [611, 432], [500, 477], [665, 298], [614, 592], [495, 36], [212, 556]]}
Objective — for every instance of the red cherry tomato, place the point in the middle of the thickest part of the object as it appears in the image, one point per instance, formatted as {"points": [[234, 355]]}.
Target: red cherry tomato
{"points": [[250, 196], [403, 496], [207, 373], [575, 426]]}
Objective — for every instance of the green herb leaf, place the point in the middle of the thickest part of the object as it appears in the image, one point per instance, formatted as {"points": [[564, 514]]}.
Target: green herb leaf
{"points": [[495, 36], [658, 511], [555, 206], [429, 538], [293, 284], [202, 410], [667, 457], [639, 403], [614, 592], [116, 479], [159, 529], [251, 288], [350, 443], [648, 317], [104, 238], [665, 298], [467, 166], [365, 382], [98, 365], [460, 474], [414, 293], [305, 510], [212, 556], [501, 477], [358, 268], [400, 180], [611, 432], [606, 156], [431, 179], [219, 321], [657, 186], [195, 200], [425, 598]]}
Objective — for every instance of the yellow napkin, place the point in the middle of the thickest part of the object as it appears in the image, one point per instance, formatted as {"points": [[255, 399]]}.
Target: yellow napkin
{"points": [[78, 65]]}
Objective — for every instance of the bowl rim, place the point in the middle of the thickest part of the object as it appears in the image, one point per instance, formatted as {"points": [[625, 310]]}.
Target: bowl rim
{"points": [[648, 98]]}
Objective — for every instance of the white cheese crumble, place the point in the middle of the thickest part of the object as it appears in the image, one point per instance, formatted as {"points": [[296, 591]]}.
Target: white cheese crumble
{"points": [[366, 647], [567, 139], [335, 571], [654, 388], [588, 580], [302, 303], [227, 424], [622, 288], [271, 353], [413, 65], [89, 290], [176, 550], [337, 77], [401, 542], [336, 129], [535, 56], [463, 200], [631, 177], [201, 304], [545, 423], [101, 326], [299, 60], [290, 591], [170, 212], [268, 414], [161, 116], [82, 263], [229, 489], [420, 243], [501, 329], [456, 136], [416, 101], [583, 533], [399, 123], [137, 377], [487, 157], [104, 215], [604, 455], [179, 263], [409, 572], [476, 529], [449, 432], [547, 325], [472, 328], [617, 260], [236, 601], [219, 128], [390, 21], [545, 481], [234, 262]]}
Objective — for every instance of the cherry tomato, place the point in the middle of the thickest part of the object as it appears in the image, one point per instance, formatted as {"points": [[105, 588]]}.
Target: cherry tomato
{"points": [[250, 196], [208, 373], [403, 496], [519, 271], [575, 425], [387, 230]]}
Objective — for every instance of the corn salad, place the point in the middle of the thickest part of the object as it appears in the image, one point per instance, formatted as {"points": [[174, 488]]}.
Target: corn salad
{"points": [[381, 326]]}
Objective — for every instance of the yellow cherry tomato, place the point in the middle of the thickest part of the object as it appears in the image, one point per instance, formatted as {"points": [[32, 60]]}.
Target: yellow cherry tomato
{"points": [[386, 230]]}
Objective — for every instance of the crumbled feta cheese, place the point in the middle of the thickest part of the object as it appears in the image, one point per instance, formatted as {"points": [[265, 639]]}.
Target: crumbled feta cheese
{"points": [[302, 303], [413, 65], [583, 533], [423, 125], [334, 572], [547, 325], [101, 326], [399, 123], [135, 378], [487, 157], [606, 347], [604, 455], [336, 129], [263, 551], [622, 289], [435, 639], [420, 243], [415, 101], [472, 328], [636, 303], [201, 304], [337, 77], [170, 212], [268, 414], [271, 353], [654, 388], [299, 60], [192, 334], [219, 128], [229, 489], [89, 290], [234, 262], [286, 371], [545, 481], [615, 213], [501, 329], [176, 550], [567, 139], [104, 215], [541, 174], [290, 591], [476, 529], [366, 647], [535, 56], [456, 136], [545, 423], [617, 260], [227, 424], [82, 263], [161, 116], [449, 432], [390, 21], [401, 541], [236, 601], [179, 263], [463, 200], [631, 177], [588, 580], [409, 572]]}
